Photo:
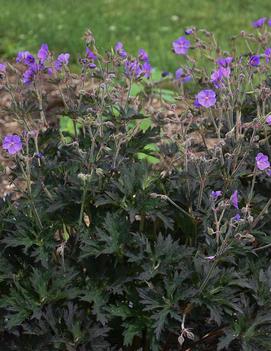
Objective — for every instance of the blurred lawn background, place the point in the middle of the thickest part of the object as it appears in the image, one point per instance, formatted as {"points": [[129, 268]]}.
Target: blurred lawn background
{"points": [[151, 24]]}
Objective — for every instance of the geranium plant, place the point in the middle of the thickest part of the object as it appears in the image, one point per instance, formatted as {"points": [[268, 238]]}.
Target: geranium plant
{"points": [[141, 219]]}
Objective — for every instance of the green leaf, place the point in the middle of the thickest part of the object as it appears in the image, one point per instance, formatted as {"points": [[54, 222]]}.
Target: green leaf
{"points": [[225, 341], [136, 89], [130, 332], [145, 124], [166, 94], [150, 159]]}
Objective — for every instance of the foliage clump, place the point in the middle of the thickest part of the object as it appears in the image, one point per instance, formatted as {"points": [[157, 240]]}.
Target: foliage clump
{"points": [[141, 219]]}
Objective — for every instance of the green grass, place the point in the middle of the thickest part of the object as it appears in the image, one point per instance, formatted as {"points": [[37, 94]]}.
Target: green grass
{"points": [[151, 24]]}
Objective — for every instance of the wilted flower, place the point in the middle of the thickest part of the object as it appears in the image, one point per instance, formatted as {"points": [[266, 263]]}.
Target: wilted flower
{"points": [[268, 120], [12, 144], [234, 199], [63, 59], [259, 23], [262, 161], [181, 76], [142, 55], [255, 60], [181, 46], [43, 53], [206, 98], [267, 55], [216, 194]]}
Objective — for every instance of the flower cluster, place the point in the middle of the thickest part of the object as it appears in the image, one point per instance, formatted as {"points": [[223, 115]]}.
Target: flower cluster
{"points": [[34, 66], [38, 64], [260, 22], [134, 68], [222, 72]]}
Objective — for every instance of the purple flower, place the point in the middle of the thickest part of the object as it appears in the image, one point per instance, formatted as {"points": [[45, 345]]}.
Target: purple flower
{"points": [[225, 62], [219, 74], [181, 76], [49, 71], [146, 69], [92, 65], [179, 73], [225, 71], [267, 55], [3, 67], [165, 74], [12, 144], [255, 60], [206, 98], [237, 217], [90, 55], [30, 74], [133, 69], [43, 53], [25, 57], [216, 77], [259, 23], [181, 46], [39, 155], [234, 199], [63, 59], [120, 50], [30, 60], [196, 103], [262, 161], [269, 22], [142, 55], [216, 194], [268, 120], [188, 31]]}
